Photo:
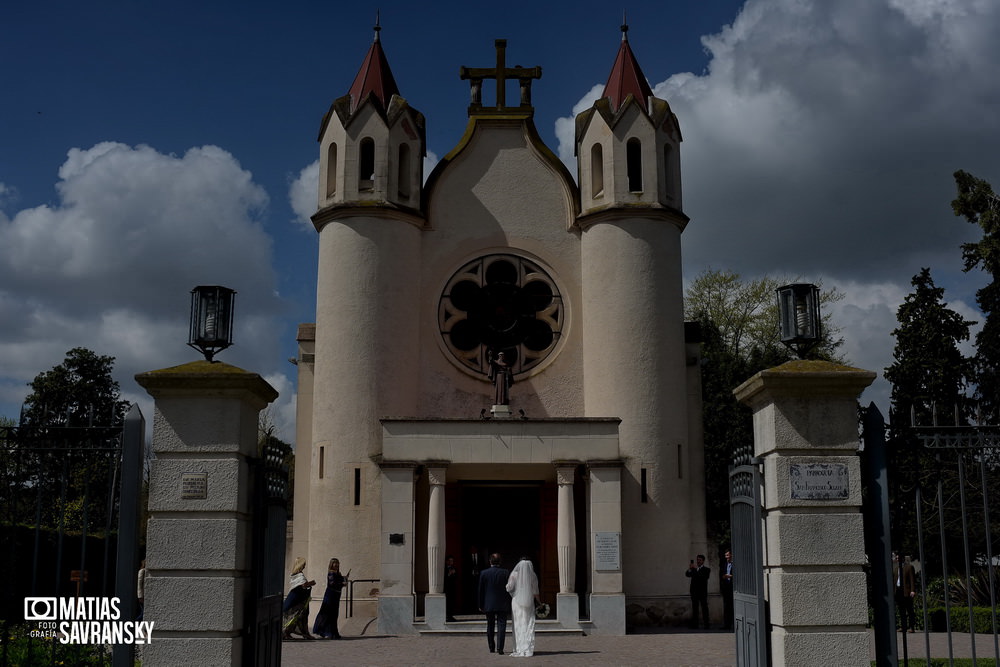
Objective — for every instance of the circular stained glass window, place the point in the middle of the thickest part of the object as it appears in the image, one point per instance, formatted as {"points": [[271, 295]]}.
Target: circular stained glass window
{"points": [[501, 303]]}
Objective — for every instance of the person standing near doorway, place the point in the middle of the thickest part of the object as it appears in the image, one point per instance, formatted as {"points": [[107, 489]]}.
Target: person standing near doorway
{"points": [[699, 575], [726, 586], [494, 601], [474, 564]]}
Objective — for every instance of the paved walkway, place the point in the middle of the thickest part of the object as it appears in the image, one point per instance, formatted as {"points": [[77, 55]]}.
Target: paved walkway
{"points": [[704, 649], [676, 648]]}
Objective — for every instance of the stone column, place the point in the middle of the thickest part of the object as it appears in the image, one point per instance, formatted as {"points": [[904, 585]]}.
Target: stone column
{"points": [[435, 603], [395, 598], [567, 601], [607, 600], [806, 433], [198, 549]]}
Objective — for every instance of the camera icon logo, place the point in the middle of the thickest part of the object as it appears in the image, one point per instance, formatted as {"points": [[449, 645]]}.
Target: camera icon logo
{"points": [[40, 609]]}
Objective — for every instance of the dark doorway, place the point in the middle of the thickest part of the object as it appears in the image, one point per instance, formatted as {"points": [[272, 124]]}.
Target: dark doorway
{"points": [[503, 517]]}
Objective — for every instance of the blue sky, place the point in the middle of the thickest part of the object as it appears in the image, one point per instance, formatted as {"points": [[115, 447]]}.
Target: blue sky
{"points": [[145, 149]]}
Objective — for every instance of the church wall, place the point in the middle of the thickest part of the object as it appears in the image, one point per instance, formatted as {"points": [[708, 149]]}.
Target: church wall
{"points": [[299, 545], [366, 346], [499, 194]]}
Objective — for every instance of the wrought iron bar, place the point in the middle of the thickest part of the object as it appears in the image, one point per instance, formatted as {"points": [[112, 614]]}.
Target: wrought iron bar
{"points": [[944, 560], [923, 578], [990, 567], [960, 457]]}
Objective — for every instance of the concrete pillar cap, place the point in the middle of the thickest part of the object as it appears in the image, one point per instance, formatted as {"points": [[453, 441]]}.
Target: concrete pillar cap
{"points": [[804, 379]]}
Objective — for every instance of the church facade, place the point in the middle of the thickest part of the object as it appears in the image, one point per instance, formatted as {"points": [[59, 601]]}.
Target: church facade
{"points": [[500, 361]]}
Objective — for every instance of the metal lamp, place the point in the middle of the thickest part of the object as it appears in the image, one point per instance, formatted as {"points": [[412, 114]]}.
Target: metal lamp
{"points": [[211, 319], [798, 316]]}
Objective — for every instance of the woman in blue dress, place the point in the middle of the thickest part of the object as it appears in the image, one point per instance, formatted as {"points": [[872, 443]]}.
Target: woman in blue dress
{"points": [[326, 620]]}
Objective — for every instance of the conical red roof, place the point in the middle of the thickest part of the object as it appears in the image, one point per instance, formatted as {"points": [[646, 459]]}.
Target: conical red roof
{"points": [[626, 77], [374, 77]]}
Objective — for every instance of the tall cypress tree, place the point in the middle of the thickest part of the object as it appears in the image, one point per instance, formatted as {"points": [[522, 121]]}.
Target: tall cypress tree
{"points": [[928, 368], [928, 373]]}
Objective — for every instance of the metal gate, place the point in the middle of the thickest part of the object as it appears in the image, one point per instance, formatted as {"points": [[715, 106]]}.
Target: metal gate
{"points": [[958, 537], [270, 514], [69, 509], [750, 613]]}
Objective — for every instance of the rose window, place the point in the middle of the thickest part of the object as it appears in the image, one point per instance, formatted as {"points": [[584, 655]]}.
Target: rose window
{"points": [[501, 303]]}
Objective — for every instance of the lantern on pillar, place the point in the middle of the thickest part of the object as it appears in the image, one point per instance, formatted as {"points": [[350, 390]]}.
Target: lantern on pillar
{"points": [[798, 316], [211, 319]]}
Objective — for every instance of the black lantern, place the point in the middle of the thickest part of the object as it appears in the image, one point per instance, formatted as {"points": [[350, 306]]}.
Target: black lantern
{"points": [[798, 315], [211, 319]]}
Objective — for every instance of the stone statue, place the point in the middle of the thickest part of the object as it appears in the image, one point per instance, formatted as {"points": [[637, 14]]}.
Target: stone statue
{"points": [[502, 377]]}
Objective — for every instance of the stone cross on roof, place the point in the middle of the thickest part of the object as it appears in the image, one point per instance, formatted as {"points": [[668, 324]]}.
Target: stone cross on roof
{"points": [[500, 73]]}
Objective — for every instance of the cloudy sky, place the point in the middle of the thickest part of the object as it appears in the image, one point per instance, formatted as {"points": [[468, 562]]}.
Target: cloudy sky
{"points": [[148, 148]]}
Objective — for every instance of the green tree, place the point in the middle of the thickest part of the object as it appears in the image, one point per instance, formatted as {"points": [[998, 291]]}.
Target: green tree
{"points": [[739, 329], [80, 391], [68, 438], [977, 203], [746, 313], [928, 368], [929, 373]]}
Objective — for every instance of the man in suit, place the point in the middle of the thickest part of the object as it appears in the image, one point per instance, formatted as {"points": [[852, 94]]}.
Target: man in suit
{"points": [[495, 602], [726, 586], [904, 578], [699, 575]]}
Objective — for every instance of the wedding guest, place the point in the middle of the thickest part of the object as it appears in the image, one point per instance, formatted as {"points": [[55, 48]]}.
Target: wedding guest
{"points": [[296, 607], [326, 620]]}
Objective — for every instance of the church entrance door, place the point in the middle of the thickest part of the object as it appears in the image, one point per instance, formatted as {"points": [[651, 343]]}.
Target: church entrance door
{"points": [[504, 517]]}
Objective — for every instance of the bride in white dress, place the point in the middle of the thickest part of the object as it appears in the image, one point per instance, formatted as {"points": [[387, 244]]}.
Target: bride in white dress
{"points": [[523, 588]]}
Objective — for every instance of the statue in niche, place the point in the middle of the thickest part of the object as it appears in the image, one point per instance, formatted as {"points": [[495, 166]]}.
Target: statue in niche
{"points": [[502, 377]]}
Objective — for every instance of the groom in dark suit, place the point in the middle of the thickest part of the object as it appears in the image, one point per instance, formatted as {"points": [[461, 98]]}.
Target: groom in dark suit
{"points": [[495, 602]]}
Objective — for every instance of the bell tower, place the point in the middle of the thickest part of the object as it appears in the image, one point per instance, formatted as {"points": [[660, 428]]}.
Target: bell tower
{"points": [[635, 360], [372, 142], [369, 221]]}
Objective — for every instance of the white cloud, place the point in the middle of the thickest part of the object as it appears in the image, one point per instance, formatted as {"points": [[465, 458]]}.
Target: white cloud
{"points": [[302, 194], [566, 127], [821, 141], [110, 266]]}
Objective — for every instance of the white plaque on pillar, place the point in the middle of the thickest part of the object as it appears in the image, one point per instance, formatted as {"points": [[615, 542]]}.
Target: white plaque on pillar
{"points": [[194, 486], [819, 481], [607, 551]]}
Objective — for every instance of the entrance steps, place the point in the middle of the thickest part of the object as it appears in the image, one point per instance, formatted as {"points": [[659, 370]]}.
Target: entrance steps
{"points": [[476, 625]]}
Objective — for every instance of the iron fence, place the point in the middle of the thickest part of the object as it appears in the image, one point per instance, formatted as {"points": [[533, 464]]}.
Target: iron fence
{"points": [[60, 503]]}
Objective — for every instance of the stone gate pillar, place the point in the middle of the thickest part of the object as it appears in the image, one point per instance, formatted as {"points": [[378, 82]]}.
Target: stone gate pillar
{"points": [[198, 539], [805, 419]]}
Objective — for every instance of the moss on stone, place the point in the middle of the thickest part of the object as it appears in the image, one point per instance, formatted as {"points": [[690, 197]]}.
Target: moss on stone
{"points": [[202, 366]]}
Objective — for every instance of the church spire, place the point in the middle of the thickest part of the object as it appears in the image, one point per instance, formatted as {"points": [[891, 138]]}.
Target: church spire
{"points": [[374, 77], [626, 76]]}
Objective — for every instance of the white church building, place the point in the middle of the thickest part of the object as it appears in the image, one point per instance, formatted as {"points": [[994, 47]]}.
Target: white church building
{"points": [[591, 462]]}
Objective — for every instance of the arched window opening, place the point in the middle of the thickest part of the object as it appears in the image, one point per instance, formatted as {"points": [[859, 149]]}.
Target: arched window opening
{"points": [[366, 165], [403, 173], [633, 163], [331, 170], [597, 171]]}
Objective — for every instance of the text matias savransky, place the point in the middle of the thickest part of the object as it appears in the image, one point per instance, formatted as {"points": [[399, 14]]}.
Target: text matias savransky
{"points": [[85, 620]]}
